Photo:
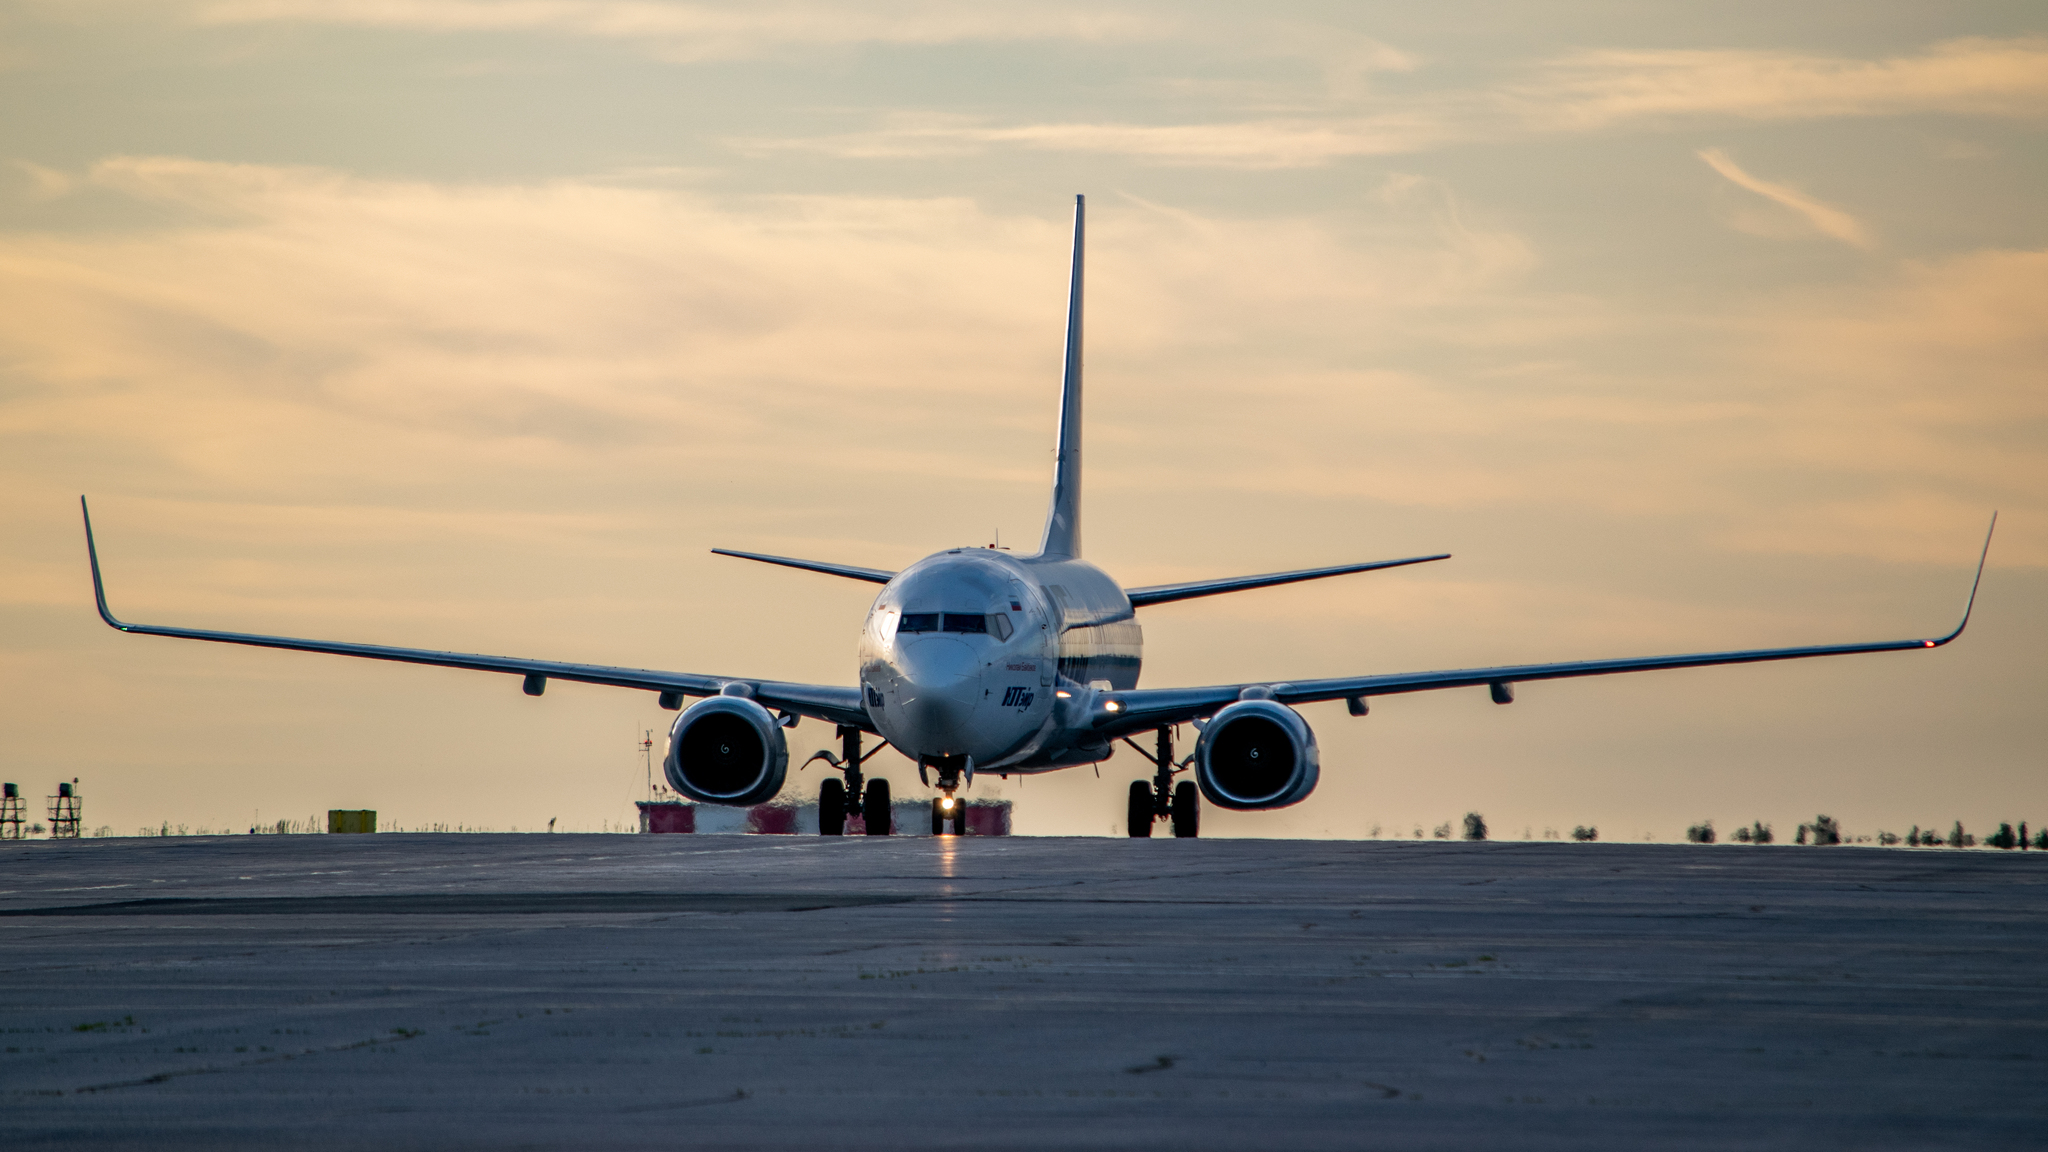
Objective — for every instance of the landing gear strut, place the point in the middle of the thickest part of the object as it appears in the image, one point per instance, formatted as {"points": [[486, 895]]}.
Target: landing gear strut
{"points": [[1159, 798], [836, 798]]}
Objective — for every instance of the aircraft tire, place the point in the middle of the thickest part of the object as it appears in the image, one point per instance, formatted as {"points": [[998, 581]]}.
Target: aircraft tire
{"points": [[1187, 810], [1139, 815], [832, 808], [875, 808], [938, 818]]}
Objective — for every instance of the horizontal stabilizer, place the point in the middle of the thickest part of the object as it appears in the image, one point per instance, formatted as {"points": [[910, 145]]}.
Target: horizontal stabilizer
{"points": [[1167, 593], [874, 575]]}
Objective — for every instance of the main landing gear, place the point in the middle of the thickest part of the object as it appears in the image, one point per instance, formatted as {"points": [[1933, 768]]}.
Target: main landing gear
{"points": [[837, 798], [1160, 798]]}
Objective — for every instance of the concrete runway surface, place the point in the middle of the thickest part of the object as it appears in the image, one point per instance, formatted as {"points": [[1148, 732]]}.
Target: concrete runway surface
{"points": [[534, 991]]}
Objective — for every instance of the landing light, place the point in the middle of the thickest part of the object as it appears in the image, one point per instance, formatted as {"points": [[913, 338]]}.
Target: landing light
{"points": [[1113, 706], [946, 803], [1929, 643], [1063, 694]]}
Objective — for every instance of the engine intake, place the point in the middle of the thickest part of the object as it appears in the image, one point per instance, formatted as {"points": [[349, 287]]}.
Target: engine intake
{"points": [[726, 750], [1257, 754]]}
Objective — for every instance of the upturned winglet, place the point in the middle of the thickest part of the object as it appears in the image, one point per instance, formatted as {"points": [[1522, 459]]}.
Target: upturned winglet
{"points": [[92, 556], [1972, 602]]}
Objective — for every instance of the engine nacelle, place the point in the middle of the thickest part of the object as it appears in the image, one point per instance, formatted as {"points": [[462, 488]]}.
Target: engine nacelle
{"points": [[1257, 754], [726, 750]]}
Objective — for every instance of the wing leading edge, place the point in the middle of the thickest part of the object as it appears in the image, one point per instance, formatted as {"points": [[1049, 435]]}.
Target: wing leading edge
{"points": [[1152, 707], [819, 701]]}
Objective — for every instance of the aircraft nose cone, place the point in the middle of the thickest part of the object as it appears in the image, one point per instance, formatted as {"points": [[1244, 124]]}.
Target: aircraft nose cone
{"points": [[944, 678]]}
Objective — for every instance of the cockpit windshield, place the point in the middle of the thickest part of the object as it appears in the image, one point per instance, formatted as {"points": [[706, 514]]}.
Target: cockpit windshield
{"points": [[972, 622]]}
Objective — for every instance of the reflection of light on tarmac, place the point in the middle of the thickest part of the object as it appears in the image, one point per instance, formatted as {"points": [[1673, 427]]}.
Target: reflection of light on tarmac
{"points": [[949, 853]]}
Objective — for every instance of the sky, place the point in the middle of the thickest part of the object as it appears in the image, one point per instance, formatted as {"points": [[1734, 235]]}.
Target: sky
{"points": [[476, 324]]}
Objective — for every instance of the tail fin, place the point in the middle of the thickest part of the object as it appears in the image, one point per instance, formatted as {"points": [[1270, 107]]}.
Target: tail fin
{"points": [[1063, 519]]}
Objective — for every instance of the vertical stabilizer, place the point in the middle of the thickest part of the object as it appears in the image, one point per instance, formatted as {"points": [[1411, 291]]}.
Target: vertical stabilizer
{"points": [[1063, 519]]}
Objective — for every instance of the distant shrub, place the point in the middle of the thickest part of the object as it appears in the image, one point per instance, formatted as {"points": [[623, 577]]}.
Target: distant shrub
{"points": [[1824, 831], [2041, 839], [1475, 826], [1702, 832], [1957, 838], [1442, 831], [1887, 838], [2003, 838], [1585, 832]]}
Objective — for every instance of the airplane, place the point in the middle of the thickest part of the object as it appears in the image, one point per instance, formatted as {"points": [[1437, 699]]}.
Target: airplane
{"points": [[976, 660]]}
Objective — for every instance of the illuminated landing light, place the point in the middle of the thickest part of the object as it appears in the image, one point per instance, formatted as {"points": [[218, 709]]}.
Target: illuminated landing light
{"points": [[1113, 706], [1929, 643], [1063, 694], [946, 803]]}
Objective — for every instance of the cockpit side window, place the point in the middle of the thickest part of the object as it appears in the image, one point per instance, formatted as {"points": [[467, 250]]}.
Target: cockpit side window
{"points": [[962, 622], [999, 624], [919, 622]]}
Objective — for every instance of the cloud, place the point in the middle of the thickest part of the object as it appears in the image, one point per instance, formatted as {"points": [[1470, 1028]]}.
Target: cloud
{"points": [[1256, 144], [43, 183], [691, 32], [1824, 218], [302, 330], [1965, 77], [1581, 93]]}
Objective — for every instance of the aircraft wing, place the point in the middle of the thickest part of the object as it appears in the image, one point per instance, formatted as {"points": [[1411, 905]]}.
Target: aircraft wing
{"points": [[1118, 713], [826, 702]]}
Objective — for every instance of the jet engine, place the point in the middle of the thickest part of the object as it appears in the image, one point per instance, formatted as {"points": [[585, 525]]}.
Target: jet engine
{"points": [[1257, 754], [726, 750]]}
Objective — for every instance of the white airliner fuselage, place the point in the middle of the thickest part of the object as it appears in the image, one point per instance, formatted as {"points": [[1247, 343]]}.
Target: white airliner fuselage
{"points": [[1001, 660]]}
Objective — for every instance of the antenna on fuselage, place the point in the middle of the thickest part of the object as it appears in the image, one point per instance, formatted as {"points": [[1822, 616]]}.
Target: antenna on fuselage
{"points": [[1063, 519]]}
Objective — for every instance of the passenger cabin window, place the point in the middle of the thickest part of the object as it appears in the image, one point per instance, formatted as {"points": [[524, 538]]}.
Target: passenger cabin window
{"points": [[962, 622], [919, 622]]}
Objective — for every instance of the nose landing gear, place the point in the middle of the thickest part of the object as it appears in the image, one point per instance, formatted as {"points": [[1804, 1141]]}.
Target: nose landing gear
{"points": [[836, 798], [1160, 798], [948, 808]]}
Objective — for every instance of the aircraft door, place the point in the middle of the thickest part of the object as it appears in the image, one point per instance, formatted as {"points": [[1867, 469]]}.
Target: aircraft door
{"points": [[1047, 648]]}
